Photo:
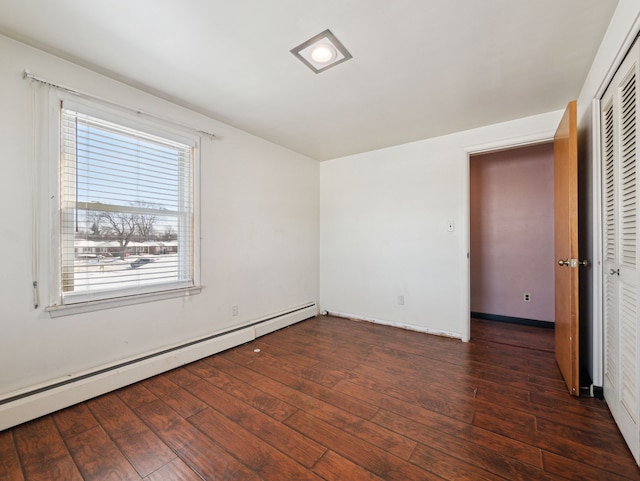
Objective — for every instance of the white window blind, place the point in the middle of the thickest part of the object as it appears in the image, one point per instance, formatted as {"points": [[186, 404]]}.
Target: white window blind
{"points": [[126, 212]]}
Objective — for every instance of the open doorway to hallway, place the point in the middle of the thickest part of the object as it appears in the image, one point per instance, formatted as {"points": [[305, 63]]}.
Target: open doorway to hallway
{"points": [[512, 238], [518, 335]]}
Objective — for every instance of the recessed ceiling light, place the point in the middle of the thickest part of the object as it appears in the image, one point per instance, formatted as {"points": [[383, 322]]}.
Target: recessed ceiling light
{"points": [[321, 52]]}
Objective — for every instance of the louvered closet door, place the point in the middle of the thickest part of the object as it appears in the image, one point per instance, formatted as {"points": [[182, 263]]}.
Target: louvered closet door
{"points": [[619, 122]]}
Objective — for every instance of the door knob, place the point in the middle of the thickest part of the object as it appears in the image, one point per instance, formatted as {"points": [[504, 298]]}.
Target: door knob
{"points": [[614, 272], [563, 262]]}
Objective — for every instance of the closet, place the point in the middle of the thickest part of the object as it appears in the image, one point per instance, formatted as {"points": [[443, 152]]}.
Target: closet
{"points": [[619, 123]]}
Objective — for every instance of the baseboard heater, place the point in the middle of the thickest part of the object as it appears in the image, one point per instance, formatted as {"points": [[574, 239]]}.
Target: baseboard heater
{"points": [[36, 401]]}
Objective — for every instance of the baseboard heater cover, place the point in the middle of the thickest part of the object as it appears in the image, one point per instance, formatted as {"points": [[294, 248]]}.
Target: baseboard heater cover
{"points": [[34, 402]]}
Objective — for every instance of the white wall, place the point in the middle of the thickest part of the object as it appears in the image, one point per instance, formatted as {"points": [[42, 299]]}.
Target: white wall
{"points": [[383, 227], [260, 231]]}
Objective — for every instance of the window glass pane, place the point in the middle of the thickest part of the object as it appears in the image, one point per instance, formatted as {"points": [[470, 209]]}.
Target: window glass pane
{"points": [[126, 210]]}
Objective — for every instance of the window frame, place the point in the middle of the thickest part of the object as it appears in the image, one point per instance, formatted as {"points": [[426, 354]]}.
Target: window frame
{"points": [[138, 121]]}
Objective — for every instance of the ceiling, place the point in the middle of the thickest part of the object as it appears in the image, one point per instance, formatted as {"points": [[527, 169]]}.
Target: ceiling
{"points": [[420, 68]]}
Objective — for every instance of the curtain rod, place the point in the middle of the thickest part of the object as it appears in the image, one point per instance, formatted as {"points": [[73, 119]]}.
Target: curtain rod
{"points": [[26, 75]]}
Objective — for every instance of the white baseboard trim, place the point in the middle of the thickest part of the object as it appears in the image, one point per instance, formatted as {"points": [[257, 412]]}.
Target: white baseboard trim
{"points": [[401, 325], [36, 401]]}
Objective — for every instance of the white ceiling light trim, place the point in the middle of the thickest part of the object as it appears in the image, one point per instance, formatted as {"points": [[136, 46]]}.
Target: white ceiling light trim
{"points": [[321, 52]]}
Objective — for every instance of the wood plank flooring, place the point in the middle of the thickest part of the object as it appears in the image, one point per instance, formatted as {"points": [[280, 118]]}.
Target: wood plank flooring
{"points": [[337, 400]]}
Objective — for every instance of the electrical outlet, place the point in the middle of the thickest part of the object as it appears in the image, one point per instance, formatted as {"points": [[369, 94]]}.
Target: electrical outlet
{"points": [[526, 297], [234, 310], [401, 300]]}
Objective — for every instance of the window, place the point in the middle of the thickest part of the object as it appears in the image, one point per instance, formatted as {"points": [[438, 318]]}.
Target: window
{"points": [[126, 207]]}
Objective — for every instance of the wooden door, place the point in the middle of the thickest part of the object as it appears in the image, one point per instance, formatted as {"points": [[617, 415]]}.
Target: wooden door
{"points": [[565, 151]]}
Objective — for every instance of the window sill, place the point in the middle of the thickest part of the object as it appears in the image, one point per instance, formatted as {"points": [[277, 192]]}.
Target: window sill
{"points": [[90, 306]]}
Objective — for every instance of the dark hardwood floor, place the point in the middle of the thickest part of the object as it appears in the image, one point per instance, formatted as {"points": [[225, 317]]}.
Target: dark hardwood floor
{"points": [[337, 400]]}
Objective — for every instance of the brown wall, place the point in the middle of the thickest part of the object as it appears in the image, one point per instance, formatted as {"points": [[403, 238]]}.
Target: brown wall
{"points": [[511, 196]]}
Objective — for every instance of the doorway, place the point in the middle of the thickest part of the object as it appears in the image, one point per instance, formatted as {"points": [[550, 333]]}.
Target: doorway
{"points": [[511, 241]]}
